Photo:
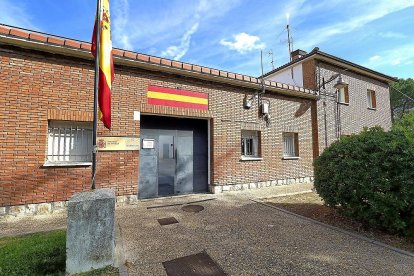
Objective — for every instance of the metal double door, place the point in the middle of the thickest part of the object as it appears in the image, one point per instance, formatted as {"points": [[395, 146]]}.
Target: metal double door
{"points": [[167, 167]]}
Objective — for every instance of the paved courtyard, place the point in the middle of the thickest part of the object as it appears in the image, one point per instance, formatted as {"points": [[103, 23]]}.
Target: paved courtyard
{"points": [[247, 238], [243, 237]]}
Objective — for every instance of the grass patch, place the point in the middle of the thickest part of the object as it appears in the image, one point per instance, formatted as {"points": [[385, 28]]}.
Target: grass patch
{"points": [[106, 271], [34, 254], [311, 205]]}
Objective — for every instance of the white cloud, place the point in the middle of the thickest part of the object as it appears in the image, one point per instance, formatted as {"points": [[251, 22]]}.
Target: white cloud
{"points": [[391, 35], [374, 58], [177, 52], [15, 14], [400, 55], [369, 10], [121, 8], [243, 43]]}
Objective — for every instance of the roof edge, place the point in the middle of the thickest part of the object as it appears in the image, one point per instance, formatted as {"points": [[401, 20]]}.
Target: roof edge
{"points": [[54, 44], [317, 54]]}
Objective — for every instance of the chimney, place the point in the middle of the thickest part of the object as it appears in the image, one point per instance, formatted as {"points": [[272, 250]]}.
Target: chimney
{"points": [[297, 54]]}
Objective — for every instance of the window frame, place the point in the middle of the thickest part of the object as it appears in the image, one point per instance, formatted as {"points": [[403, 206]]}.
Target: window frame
{"points": [[294, 153], [67, 134], [255, 137], [345, 96], [371, 99]]}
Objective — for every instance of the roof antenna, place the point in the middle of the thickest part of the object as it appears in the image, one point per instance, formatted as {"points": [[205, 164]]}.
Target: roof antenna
{"points": [[261, 64], [271, 56], [290, 42]]}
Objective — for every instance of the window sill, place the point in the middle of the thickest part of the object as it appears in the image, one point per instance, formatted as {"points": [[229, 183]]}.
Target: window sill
{"points": [[67, 164], [245, 158], [371, 108], [290, 158], [343, 103]]}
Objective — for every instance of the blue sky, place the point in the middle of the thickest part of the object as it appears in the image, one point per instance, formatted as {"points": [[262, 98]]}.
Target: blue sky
{"points": [[229, 34]]}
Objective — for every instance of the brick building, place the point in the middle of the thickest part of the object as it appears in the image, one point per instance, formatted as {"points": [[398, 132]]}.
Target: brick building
{"points": [[364, 101], [176, 127]]}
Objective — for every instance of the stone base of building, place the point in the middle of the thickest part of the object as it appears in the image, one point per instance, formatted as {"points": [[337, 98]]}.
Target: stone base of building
{"points": [[52, 207], [60, 206], [216, 189]]}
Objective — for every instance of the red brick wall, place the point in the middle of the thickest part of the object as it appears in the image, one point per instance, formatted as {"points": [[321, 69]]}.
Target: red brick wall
{"points": [[39, 86]]}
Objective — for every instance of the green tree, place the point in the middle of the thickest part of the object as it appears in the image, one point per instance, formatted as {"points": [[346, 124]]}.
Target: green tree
{"points": [[400, 103], [406, 125]]}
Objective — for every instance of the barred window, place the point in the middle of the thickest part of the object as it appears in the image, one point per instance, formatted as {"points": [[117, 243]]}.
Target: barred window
{"points": [[69, 142], [290, 144], [250, 143]]}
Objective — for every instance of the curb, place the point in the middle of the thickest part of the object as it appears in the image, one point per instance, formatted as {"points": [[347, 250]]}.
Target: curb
{"points": [[360, 237]]}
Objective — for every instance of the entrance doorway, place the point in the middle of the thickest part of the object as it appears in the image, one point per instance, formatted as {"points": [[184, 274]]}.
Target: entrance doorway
{"points": [[173, 156]]}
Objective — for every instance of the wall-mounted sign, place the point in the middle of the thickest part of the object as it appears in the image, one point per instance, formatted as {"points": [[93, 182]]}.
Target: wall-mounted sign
{"points": [[148, 143], [115, 143], [177, 97]]}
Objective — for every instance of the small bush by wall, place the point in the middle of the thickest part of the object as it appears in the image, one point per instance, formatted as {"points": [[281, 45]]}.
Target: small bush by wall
{"points": [[370, 176]]}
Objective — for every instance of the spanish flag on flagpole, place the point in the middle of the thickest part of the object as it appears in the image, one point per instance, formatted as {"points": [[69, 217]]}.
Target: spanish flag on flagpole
{"points": [[106, 66]]}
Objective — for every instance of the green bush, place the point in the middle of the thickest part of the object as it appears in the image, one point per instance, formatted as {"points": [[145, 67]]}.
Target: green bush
{"points": [[370, 177], [406, 126]]}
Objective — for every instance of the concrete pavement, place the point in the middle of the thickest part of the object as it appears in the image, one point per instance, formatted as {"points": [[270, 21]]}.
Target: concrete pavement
{"points": [[247, 238], [243, 237]]}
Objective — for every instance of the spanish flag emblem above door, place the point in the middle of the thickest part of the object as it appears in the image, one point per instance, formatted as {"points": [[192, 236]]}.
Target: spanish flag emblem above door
{"points": [[177, 98]]}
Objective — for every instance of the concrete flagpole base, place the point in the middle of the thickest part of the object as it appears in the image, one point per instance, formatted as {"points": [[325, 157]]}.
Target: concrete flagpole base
{"points": [[90, 241]]}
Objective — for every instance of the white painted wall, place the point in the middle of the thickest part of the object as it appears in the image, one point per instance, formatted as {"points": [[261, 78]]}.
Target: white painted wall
{"points": [[285, 76]]}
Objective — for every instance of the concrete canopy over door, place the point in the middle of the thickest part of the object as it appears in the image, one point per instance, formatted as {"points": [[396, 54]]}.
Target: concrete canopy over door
{"points": [[178, 161]]}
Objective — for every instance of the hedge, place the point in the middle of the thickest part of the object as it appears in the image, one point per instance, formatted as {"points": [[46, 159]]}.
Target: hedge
{"points": [[370, 177]]}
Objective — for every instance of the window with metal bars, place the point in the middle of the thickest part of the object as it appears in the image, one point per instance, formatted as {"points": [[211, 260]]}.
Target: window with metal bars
{"points": [[69, 142], [290, 144], [250, 143]]}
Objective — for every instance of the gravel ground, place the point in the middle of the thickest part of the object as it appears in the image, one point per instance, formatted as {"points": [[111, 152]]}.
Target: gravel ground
{"points": [[13, 226], [246, 238]]}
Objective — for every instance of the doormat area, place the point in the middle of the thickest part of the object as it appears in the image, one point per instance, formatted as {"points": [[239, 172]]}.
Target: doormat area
{"points": [[199, 264], [167, 221]]}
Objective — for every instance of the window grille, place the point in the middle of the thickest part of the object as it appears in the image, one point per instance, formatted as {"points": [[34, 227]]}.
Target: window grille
{"points": [[250, 143], [69, 142], [290, 144]]}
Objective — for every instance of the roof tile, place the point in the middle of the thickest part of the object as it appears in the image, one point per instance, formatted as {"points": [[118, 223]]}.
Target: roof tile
{"points": [[130, 55], [197, 68], [155, 59], [86, 46], [239, 76], [38, 37], [72, 43], [187, 66], [166, 62], [117, 52], [205, 70], [231, 75], [19, 33], [215, 72], [4, 30], [223, 74], [177, 64], [143, 57], [55, 40]]}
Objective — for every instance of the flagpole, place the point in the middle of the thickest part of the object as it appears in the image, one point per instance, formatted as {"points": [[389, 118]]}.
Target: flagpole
{"points": [[95, 94]]}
